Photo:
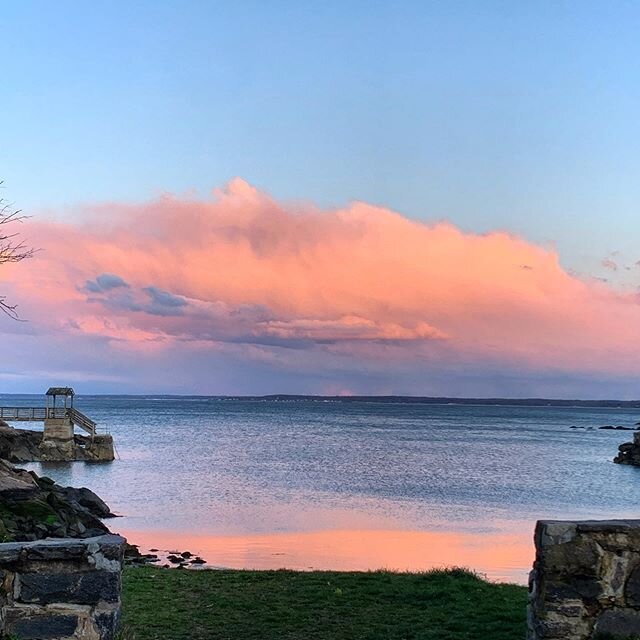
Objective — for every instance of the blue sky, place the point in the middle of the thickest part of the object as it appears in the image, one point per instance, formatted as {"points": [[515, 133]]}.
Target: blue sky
{"points": [[493, 115]]}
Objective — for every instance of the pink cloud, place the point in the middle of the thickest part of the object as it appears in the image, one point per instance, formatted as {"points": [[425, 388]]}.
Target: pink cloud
{"points": [[242, 271], [346, 328]]}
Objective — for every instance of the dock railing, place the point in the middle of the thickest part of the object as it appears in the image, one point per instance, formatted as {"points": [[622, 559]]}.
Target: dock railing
{"points": [[40, 414], [31, 414], [82, 421]]}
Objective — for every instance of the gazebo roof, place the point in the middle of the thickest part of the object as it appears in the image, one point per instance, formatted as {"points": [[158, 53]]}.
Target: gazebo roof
{"points": [[60, 391]]}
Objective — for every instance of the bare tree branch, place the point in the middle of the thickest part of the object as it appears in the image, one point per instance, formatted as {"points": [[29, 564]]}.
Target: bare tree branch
{"points": [[12, 249]]}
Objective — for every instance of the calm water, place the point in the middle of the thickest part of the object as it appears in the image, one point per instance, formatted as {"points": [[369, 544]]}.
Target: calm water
{"points": [[312, 484]]}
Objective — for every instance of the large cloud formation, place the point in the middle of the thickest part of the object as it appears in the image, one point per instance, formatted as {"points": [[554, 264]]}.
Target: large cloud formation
{"points": [[359, 295]]}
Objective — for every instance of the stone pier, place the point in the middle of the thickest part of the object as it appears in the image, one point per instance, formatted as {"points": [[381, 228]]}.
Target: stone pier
{"points": [[585, 582], [57, 442], [58, 437], [61, 589]]}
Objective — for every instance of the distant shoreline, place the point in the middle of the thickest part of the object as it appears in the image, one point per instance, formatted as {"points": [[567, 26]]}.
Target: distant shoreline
{"points": [[517, 402], [432, 400]]}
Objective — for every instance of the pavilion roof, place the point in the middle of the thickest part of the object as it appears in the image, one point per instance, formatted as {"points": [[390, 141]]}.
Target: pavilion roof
{"points": [[60, 391]]}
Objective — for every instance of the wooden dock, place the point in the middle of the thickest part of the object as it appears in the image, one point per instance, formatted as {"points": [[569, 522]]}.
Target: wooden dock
{"points": [[42, 414], [58, 441], [59, 420]]}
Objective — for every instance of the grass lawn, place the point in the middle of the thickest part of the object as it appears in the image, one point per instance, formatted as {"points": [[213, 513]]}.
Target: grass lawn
{"points": [[162, 604]]}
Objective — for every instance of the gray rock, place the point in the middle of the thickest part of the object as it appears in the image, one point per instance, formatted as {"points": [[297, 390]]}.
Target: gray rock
{"points": [[107, 623], [618, 622], [632, 589], [77, 588], [86, 499], [42, 627], [37, 508]]}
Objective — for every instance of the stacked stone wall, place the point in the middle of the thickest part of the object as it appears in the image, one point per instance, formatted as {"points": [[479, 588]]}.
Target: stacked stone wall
{"points": [[585, 582], [61, 589]]}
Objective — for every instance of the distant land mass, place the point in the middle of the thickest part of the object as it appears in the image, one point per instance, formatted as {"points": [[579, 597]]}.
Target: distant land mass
{"points": [[517, 402], [440, 400]]}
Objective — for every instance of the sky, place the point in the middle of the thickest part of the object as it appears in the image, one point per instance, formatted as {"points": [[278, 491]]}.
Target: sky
{"points": [[341, 197]]}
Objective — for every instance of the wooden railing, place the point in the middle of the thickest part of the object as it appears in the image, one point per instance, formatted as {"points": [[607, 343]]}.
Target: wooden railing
{"points": [[80, 420], [28, 414], [40, 414]]}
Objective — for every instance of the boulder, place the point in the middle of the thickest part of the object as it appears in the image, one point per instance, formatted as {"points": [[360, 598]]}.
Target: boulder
{"points": [[84, 498], [629, 452], [33, 508]]}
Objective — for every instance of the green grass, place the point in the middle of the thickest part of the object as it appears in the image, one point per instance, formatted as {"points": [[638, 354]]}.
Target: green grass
{"points": [[161, 604]]}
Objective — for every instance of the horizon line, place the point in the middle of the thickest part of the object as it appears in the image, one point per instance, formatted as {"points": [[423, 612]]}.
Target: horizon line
{"points": [[407, 399]]}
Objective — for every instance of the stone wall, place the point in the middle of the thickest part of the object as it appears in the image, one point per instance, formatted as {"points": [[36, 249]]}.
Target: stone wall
{"points": [[61, 589], [585, 582]]}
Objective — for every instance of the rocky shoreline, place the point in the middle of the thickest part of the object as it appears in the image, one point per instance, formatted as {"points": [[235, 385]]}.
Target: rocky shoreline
{"points": [[629, 452], [33, 508], [25, 445]]}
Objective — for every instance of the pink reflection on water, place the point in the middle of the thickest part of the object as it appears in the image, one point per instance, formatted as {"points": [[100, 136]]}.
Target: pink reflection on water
{"points": [[500, 556]]}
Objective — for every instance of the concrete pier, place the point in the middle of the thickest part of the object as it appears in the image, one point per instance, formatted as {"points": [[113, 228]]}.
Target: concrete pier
{"points": [[58, 429]]}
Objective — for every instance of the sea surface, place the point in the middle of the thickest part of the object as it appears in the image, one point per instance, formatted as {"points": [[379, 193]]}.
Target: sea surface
{"points": [[318, 484]]}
